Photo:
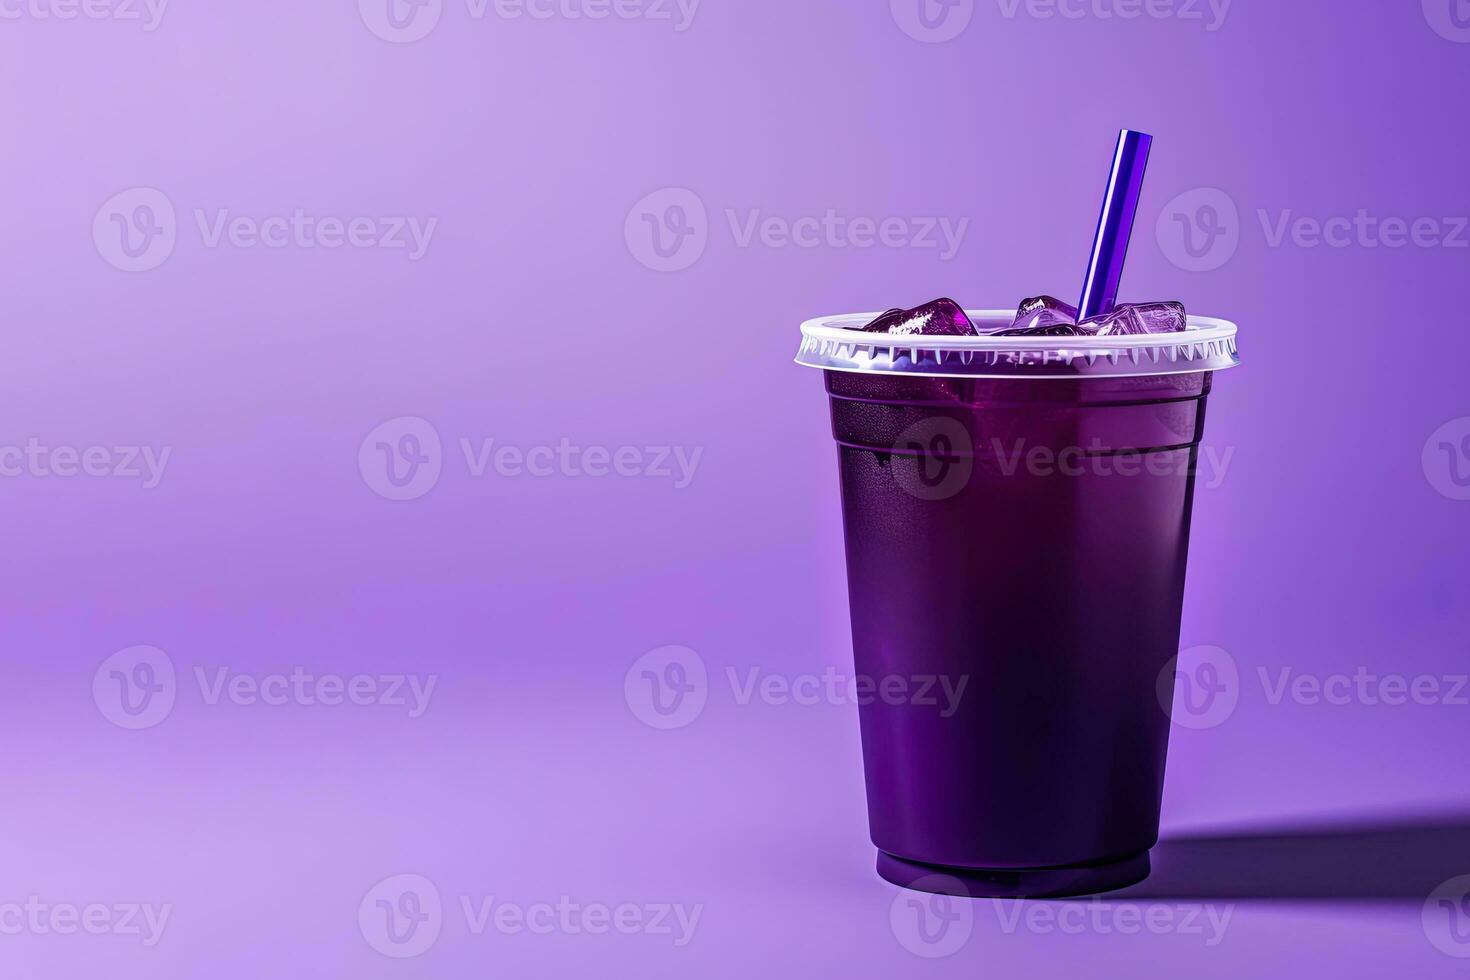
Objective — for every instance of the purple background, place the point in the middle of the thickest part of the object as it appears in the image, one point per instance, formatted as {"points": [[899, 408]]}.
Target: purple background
{"points": [[531, 319]]}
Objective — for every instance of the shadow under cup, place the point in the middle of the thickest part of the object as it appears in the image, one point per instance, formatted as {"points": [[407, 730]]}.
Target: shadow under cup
{"points": [[1016, 554]]}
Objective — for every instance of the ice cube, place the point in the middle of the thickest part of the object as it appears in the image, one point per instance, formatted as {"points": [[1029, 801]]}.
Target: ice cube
{"points": [[1121, 321], [1050, 330], [941, 318], [1138, 318], [1042, 311], [1163, 317]]}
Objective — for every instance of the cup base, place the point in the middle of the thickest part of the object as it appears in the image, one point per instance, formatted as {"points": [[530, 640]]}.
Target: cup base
{"points": [[1060, 882]]}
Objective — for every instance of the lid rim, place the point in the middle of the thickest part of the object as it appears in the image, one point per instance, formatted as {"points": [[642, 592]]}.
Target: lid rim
{"points": [[830, 343]]}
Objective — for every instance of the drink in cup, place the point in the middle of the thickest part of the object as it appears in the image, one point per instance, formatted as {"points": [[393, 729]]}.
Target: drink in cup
{"points": [[1017, 488]]}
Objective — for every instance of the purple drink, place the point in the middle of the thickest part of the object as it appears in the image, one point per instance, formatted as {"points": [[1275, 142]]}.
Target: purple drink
{"points": [[1016, 513]]}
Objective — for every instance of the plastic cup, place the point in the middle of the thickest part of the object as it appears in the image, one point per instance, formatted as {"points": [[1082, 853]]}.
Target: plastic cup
{"points": [[1016, 514]]}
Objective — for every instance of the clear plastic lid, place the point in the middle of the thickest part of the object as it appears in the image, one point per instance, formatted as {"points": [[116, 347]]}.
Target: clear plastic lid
{"points": [[833, 344]]}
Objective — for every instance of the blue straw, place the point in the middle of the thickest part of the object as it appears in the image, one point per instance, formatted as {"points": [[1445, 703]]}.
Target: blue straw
{"points": [[1114, 226]]}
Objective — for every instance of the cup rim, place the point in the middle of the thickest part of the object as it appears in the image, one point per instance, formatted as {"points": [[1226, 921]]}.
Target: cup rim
{"points": [[831, 343]]}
